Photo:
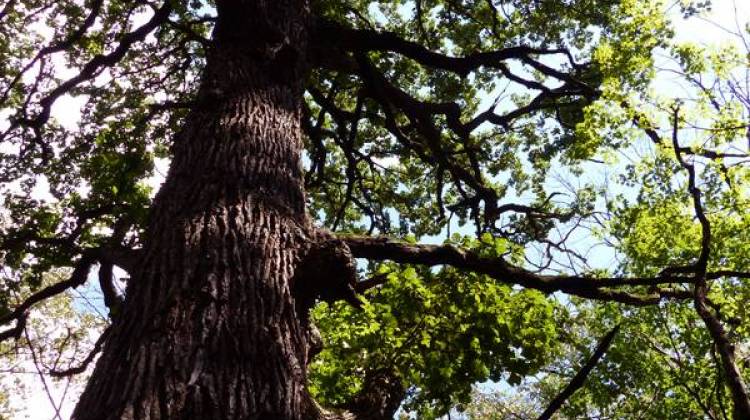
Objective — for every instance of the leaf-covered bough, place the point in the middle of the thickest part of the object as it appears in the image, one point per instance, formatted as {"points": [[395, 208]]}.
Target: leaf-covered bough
{"points": [[288, 266]]}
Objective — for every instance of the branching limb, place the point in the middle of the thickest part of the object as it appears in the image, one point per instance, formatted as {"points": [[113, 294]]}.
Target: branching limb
{"points": [[724, 346], [93, 67], [347, 50], [368, 40], [94, 11]]}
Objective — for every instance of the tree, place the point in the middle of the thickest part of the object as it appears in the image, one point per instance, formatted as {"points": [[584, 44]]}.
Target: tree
{"points": [[278, 117]]}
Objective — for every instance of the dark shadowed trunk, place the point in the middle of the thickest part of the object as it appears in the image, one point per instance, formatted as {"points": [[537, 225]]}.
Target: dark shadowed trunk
{"points": [[210, 328]]}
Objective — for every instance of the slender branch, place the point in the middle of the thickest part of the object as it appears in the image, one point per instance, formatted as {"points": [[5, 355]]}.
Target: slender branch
{"points": [[580, 377], [69, 41], [87, 361], [421, 116], [7, 8], [38, 367], [346, 50], [77, 278]]}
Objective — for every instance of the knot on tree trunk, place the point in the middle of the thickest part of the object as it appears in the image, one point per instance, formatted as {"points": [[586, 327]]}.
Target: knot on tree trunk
{"points": [[327, 271], [380, 397]]}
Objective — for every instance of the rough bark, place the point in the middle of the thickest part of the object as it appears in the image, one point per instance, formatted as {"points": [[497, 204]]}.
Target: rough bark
{"points": [[213, 326]]}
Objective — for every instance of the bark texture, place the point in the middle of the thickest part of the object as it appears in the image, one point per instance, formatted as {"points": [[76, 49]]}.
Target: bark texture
{"points": [[211, 327]]}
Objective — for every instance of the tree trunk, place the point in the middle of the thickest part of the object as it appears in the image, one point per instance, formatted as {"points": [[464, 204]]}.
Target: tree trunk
{"points": [[210, 328]]}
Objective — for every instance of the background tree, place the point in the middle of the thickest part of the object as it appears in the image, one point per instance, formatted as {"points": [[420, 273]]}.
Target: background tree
{"points": [[387, 123], [663, 365]]}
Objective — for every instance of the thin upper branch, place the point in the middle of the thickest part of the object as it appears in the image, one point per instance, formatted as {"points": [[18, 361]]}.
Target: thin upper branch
{"points": [[341, 49], [75, 370], [94, 11]]}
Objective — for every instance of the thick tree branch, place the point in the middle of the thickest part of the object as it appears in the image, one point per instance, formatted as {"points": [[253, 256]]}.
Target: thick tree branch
{"points": [[727, 273], [360, 40], [380, 248], [106, 282], [123, 257], [15, 332], [380, 397]]}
